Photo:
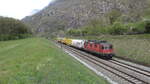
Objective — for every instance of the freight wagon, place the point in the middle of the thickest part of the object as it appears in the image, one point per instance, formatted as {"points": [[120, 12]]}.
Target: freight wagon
{"points": [[78, 43]]}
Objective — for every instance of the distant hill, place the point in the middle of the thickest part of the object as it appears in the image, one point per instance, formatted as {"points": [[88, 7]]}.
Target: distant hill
{"points": [[63, 14]]}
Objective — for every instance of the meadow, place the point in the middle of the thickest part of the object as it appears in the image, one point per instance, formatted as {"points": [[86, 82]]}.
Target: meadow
{"points": [[39, 61]]}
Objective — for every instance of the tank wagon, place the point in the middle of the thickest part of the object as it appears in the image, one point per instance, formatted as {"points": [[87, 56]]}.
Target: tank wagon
{"points": [[78, 43]]}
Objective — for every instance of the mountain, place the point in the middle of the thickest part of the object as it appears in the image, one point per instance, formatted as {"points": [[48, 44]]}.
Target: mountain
{"points": [[34, 11], [64, 14]]}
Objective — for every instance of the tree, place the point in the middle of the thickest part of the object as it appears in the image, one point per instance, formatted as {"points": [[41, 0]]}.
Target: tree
{"points": [[113, 16]]}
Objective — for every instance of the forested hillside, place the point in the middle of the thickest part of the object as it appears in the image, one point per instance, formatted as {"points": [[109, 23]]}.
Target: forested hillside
{"points": [[102, 16]]}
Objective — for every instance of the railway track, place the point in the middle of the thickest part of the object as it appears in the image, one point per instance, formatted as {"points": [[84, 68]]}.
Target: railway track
{"points": [[131, 67], [132, 74]]}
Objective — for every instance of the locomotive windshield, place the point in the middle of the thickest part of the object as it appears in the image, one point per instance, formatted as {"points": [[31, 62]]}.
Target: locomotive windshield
{"points": [[105, 47], [111, 46]]}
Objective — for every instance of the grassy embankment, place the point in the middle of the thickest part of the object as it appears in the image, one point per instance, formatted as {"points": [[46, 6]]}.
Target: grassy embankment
{"points": [[38, 61], [131, 47]]}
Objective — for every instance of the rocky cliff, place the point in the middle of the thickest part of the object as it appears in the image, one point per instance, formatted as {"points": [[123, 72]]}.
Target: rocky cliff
{"points": [[63, 14]]}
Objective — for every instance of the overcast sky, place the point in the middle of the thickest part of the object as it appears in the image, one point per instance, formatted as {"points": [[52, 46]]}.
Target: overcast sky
{"points": [[21, 8]]}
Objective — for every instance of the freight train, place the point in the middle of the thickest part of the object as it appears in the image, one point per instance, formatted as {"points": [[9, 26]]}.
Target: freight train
{"points": [[100, 48]]}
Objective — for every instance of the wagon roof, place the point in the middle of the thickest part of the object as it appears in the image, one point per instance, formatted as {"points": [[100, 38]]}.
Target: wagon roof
{"points": [[77, 40]]}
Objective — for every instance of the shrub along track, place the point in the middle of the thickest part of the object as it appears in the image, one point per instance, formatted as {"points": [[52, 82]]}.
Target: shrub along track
{"points": [[132, 74]]}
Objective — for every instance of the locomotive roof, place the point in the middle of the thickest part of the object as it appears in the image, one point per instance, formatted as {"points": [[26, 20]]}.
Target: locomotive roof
{"points": [[97, 41]]}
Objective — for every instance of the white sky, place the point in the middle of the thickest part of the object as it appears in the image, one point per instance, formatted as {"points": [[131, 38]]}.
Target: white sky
{"points": [[21, 8]]}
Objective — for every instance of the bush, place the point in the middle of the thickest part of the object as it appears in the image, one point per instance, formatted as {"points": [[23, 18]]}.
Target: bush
{"points": [[74, 32], [13, 37], [139, 27], [147, 26], [118, 28], [113, 15]]}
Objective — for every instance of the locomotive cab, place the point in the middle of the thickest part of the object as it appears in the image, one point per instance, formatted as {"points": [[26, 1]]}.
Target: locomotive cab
{"points": [[101, 48], [107, 50]]}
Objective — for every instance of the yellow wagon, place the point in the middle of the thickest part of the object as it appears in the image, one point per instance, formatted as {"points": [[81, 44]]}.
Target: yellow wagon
{"points": [[68, 41]]}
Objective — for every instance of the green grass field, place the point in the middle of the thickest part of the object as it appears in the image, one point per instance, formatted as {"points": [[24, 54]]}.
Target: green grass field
{"points": [[38, 61], [133, 47]]}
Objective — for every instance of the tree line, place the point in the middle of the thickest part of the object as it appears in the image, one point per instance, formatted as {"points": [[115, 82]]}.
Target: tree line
{"points": [[114, 24], [11, 29], [117, 28]]}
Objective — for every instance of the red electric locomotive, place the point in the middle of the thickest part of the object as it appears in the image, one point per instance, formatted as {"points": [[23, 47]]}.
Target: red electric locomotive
{"points": [[101, 48]]}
